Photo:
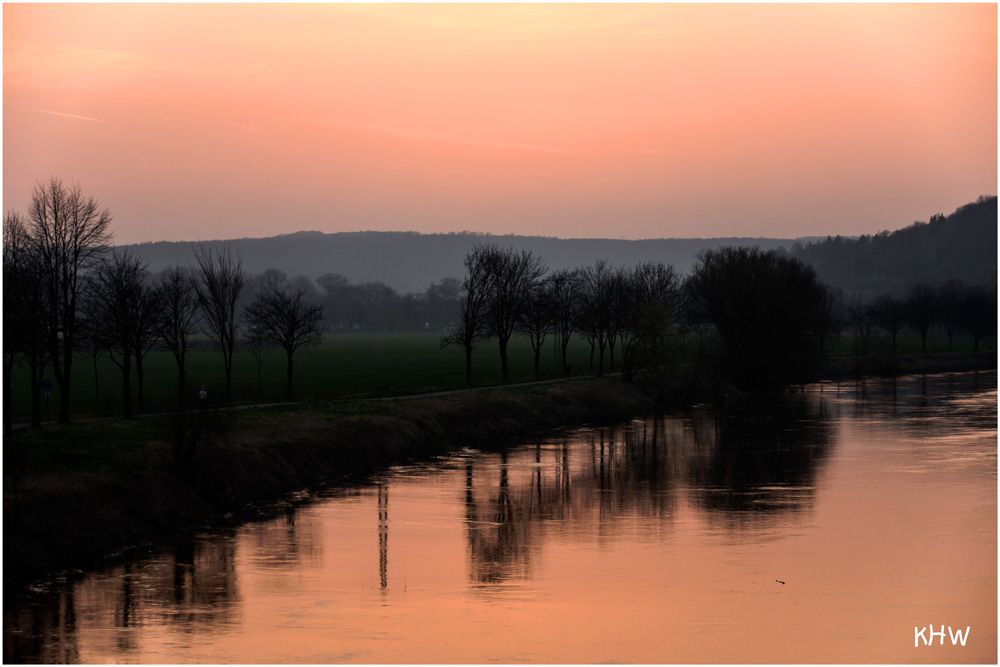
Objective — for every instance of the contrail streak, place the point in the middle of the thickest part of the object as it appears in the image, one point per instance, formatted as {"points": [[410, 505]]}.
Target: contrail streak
{"points": [[67, 115]]}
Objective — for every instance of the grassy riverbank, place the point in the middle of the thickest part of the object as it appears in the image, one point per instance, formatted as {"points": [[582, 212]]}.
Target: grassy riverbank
{"points": [[74, 494]]}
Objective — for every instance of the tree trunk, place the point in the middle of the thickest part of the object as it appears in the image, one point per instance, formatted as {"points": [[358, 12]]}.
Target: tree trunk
{"points": [[538, 354], [468, 365], [139, 402], [126, 385], [181, 380], [503, 360], [8, 403], [289, 375], [64, 380], [97, 385], [227, 359], [36, 395]]}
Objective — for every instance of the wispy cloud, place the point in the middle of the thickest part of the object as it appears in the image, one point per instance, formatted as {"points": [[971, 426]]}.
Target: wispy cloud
{"points": [[67, 115]]}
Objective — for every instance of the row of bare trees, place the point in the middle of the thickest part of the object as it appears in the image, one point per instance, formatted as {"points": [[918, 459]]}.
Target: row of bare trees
{"points": [[953, 307], [507, 291], [66, 292]]}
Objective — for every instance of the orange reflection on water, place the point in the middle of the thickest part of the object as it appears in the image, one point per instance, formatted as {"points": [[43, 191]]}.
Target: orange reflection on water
{"points": [[658, 541]]}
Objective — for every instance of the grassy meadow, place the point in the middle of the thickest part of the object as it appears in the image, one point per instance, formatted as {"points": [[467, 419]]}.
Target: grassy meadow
{"points": [[352, 365], [347, 365]]}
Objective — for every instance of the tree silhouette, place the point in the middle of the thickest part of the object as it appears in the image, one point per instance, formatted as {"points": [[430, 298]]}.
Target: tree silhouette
{"points": [[287, 321], [178, 318], [889, 314], [25, 317], [597, 308], [766, 309], [116, 297], [535, 321], [922, 311], [979, 313], [69, 232], [565, 287], [652, 306], [511, 277], [473, 326], [221, 281]]}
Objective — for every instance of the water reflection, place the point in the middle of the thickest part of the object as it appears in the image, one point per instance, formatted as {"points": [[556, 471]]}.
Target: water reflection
{"points": [[42, 631], [758, 464], [383, 535], [747, 476], [192, 589]]}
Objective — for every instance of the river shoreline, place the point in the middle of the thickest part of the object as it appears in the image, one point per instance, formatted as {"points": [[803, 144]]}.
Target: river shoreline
{"points": [[78, 506]]}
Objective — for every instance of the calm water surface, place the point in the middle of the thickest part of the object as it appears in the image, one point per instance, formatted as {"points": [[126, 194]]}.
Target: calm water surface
{"points": [[657, 541]]}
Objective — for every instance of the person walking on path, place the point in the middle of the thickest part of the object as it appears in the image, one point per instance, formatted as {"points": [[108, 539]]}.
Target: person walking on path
{"points": [[203, 397]]}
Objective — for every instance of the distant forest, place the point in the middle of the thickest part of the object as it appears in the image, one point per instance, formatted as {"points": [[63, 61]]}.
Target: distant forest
{"points": [[961, 246], [408, 262]]}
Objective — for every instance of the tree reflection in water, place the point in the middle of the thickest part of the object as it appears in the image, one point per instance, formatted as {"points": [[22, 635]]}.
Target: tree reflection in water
{"points": [[744, 469], [191, 589]]}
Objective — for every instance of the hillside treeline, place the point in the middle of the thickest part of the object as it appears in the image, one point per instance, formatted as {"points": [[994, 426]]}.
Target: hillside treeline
{"points": [[961, 246]]}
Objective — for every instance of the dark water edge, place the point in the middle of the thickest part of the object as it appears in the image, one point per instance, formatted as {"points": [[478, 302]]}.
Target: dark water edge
{"points": [[68, 527]]}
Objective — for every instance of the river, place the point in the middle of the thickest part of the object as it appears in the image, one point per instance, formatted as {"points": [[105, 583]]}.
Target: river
{"points": [[829, 524]]}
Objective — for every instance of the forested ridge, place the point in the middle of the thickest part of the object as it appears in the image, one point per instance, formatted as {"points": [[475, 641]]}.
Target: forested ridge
{"points": [[961, 246]]}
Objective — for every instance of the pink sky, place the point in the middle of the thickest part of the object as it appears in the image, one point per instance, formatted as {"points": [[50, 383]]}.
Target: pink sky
{"points": [[637, 121]]}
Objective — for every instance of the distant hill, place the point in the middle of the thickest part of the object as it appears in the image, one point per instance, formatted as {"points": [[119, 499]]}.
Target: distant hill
{"points": [[410, 262], [962, 245]]}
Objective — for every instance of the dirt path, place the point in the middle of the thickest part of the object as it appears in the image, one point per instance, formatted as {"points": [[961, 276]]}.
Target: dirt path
{"points": [[404, 397]]}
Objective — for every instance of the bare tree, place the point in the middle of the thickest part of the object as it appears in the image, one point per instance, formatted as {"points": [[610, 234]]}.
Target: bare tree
{"points": [[145, 333], [979, 313], [594, 318], [222, 278], [25, 320], [565, 288], [116, 296], [287, 320], [69, 232], [472, 324], [889, 314], [949, 300], [178, 318], [535, 321], [511, 277], [861, 318], [652, 306], [922, 311], [259, 347]]}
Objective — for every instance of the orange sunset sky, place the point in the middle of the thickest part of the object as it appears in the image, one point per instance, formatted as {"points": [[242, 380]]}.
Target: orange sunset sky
{"points": [[638, 121]]}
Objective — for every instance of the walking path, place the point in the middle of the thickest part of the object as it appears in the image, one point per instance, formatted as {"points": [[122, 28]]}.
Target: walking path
{"points": [[404, 397]]}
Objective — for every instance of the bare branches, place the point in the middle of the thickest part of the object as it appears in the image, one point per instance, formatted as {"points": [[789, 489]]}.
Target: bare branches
{"points": [[178, 317], [286, 320], [510, 277], [118, 310], [222, 278], [69, 232], [473, 326]]}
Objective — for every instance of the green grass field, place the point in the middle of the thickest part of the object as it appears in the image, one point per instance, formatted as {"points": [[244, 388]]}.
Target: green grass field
{"points": [[345, 365]]}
